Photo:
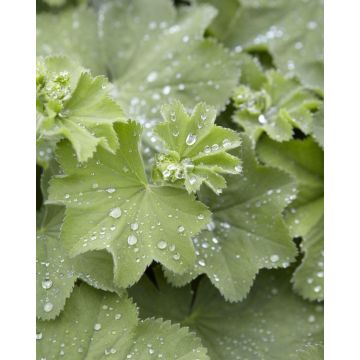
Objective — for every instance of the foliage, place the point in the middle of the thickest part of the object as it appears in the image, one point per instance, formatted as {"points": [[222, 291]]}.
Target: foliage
{"points": [[181, 156]]}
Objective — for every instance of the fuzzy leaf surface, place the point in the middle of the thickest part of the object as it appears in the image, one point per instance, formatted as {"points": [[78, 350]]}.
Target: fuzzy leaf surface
{"points": [[247, 231], [108, 328], [305, 217], [111, 205], [272, 323], [196, 149]]}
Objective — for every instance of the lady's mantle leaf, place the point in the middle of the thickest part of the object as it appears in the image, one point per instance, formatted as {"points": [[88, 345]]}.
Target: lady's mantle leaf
{"points": [[57, 273], [291, 30], [111, 205], [305, 161], [152, 51], [276, 108], [72, 104], [196, 149], [272, 323], [99, 325], [247, 232]]}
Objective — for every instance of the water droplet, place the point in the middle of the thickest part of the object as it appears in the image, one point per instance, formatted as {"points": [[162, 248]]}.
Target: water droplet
{"points": [[192, 180], [207, 149], [117, 316], [67, 196], [215, 147], [203, 117], [162, 245], [176, 256], [39, 336], [97, 327], [274, 258], [185, 39], [152, 76], [47, 284], [134, 226], [317, 288], [166, 173], [110, 190], [262, 119], [48, 307], [132, 240], [191, 139], [201, 217], [226, 143], [211, 226], [311, 318], [180, 229], [115, 213], [166, 90], [238, 168], [201, 263]]}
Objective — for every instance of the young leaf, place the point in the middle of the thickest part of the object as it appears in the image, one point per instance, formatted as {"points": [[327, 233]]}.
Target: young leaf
{"points": [[272, 323], [99, 325], [305, 161], [277, 107], [72, 104], [247, 231], [111, 205], [197, 150], [152, 51], [57, 273]]}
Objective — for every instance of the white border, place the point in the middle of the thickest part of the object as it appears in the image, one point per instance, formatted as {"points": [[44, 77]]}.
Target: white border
{"points": [[17, 189], [342, 181]]}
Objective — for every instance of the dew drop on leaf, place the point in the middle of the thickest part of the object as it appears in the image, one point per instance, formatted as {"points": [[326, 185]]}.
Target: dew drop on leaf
{"points": [[47, 284], [262, 119], [192, 180], [134, 226], [274, 258], [180, 229], [48, 307], [115, 213], [162, 245], [97, 326], [132, 239], [191, 139]]}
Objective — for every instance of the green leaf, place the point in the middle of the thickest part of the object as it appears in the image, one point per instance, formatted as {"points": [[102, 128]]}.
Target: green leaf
{"points": [[247, 231], [73, 33], [57, 273], [272, 323], [291, 30], [318, 128], [305, 161], [99, 325], [152, 52], [73, 104], [111, 205], [276, 108], [196, 149], [55, 2]]}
